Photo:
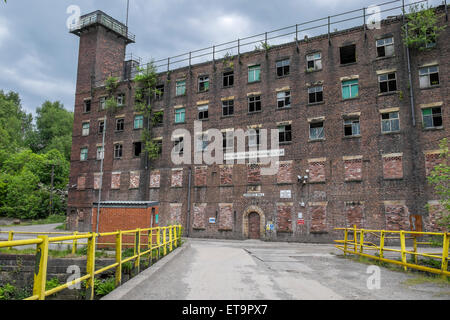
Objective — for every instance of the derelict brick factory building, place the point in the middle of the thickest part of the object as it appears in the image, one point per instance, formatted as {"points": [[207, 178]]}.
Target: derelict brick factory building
{"points": [[346, 118]]}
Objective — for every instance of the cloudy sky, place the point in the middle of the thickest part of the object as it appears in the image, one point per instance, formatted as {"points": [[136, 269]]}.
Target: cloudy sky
{"points": [[38, 56]]}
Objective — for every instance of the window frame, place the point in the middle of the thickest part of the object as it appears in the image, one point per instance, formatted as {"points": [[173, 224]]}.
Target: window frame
{"points": [[122, 121], [228, 75], [178, 113], [141, 121], [100, 153], [349, 122], [311, 57], [384, 45], [390, 121], [315, 94], [86, 103], [180, 84], [388, 82], [283, 67], [178, 145], [118, 148], [85, 131], [428, 75], [226, 106], [84, 155], [319, 137], [350, 85], [286, 134], [432, 115], [340, 54], [256, 101], [254, 70], [285, 100], [203, 81], [254, 133], [203, 112]]}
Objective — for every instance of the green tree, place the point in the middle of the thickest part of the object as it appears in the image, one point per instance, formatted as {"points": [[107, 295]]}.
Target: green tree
{"points": [[440, 179]]}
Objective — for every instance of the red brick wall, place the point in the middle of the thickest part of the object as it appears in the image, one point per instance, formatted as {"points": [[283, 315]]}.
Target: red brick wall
{"points": [[432, 160], [199, 216], [397, 215], [285, 172], [393, 167], [354, 215], [254, 173], [177, 178], [226, 216], [353, 169], [284, 217], [316, 171], [318, 218], [155, 179], [226, 175], [200, 176]]}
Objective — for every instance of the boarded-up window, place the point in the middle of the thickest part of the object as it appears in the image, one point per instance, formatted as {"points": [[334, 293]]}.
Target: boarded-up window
{"points": [[81, 183], [97, 180], [199, 216], [396, 214], [226, 216], [284, 217]]}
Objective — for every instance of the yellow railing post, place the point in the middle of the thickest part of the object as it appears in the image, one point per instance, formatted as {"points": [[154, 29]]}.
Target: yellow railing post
{"points": [[158, 241], [382, 243], [355, 239], [361, 241], [175, 236], [165, 240], [345, 241], [10, 237], [90, 266], [179, 234], [119, 258], [170, 239], [40, 269], [137, 250], [445, 244], [403, 249], [415, 248], [75, 242]]}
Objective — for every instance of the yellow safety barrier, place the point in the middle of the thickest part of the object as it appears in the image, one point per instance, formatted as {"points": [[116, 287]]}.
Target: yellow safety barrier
{"points": [[163, 243], [354, 243]]}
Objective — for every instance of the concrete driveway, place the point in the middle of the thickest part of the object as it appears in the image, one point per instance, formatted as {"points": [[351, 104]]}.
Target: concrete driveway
{"points": [[249, 270]]}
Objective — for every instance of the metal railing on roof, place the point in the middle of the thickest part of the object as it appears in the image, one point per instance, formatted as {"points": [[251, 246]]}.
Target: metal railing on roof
{"points": [[290, 34]]}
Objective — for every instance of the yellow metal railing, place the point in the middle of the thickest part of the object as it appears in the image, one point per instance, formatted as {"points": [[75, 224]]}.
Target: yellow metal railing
{"points": [[355, 243], [159, 239]]}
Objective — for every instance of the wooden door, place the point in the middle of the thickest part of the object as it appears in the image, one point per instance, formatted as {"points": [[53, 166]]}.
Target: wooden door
{"points": [[254, 226]]}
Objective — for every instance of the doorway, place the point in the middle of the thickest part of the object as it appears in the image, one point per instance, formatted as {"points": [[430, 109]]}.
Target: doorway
{"points": [[254, 226]]}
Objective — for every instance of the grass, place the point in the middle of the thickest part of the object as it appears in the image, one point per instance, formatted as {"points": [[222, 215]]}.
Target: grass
{"points": [[59, 253], [49, 220], [423, 279]]}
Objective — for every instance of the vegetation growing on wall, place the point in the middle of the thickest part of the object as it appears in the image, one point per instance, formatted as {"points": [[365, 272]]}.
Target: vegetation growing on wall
{"points": [[111, 85]]}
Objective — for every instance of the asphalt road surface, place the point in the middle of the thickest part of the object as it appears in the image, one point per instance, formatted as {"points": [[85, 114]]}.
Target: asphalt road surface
{"points": [[249, 270]]}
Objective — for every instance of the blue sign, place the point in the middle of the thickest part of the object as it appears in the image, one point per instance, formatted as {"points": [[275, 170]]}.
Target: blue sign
{"points": [[156, 218], [212, 220]]}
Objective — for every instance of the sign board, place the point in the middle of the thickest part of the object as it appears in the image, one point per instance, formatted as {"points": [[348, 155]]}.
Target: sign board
{"points": [[301, 222], [212, 220], [270, 227], [300, 215], [253, 195], [254, 154], [285, 194], [415, 221], [156, 218]]}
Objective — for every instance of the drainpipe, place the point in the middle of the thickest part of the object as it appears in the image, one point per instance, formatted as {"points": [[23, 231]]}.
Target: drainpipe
{"points": [[101, 177], [188, 227], [409, 70]]}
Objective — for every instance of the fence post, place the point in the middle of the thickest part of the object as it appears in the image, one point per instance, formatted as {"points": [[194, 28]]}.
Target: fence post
{"points": [[75, 242], [175, 236], [165, 240], [137, 250], [403, 248], [119, 258], [345, 241], [158, 241], [381, 243], [445, 243], [170, 238], [355, 239], [415, 249], [90, 267], [40, 268], [10, 238], [361, 241]]}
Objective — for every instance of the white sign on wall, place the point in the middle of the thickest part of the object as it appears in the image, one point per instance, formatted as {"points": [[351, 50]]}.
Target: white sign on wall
{"points": [[285, 194]]}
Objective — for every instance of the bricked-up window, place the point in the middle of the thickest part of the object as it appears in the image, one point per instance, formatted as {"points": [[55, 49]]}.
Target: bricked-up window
{"points": [[118, 151], [159, 92], [354, 214], [348, 54], [254, 104], [85, 130], [285, 172], [254, 137], [284, 99], [101, 126], [178, 145], [429, 76], [350, 89], [228, 79], [285, 133], [180, 89], [228, 141], [138, 122], [283, 67], [121, 100], [314, 61], [180, 115], [203, 113], [385, 47], [199, 216], [203, 83], [102, 103], [315, 94], [316, 130], [351, 127], [390, 122], [254, 73], [388, 82], [225, 217], [84, 154], [227, 108], [100, 153], [87, 106], [137, 149], [432, 159], [318, 218], [120, 124], [432, 117], [393, 166]]}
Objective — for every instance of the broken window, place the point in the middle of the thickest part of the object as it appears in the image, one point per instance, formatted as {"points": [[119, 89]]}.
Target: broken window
{"points": [[121, 100], [138, 122], [253, 137], [351, 127], [180, 89], [137, 149], [180, 115], [254, 73], [432, 117], [203, 83], [118, 151], [284, 99], [348, 54], [283, 67], [87, 106], [203, 113], [158, 143], [350, 89], [85, 130], [254, 104], [429, 76], [158, 118], [227, 108], [385, 47], [316, 130], [102, 103], [84, 154], [314, 61], [178, 145], [228, 79], [315, 94], [120, 124], [388, 82], [101, 126], [228, 141], [202, 142], [100, 153], [285, 133], [159, 92], [390, 122]]}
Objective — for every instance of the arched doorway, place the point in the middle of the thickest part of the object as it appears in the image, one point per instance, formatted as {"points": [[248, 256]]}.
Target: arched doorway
{"points": [[254, 226], [254, 222]]}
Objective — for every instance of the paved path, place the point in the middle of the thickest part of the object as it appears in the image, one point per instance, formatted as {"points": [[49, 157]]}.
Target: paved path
{"points": [[241, 270]]}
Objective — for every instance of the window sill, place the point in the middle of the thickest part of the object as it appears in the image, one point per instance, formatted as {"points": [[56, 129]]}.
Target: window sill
{"points": [[137, 129], [118, 131], [392, 179], [226, 185], [348, 64], [353, 181], [355, 98], [431, 87], [258, 81], [250, 113], [180, 95], [204, 91], [390, 132], [384, 58], [227, 87], [225, 117], [177, 123], [316, 103], [433, 129], [285, 143], [282, 77], [284, 108], [312, 71], [202, 120], [382, 94], [316, 140], [352, 137]]}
